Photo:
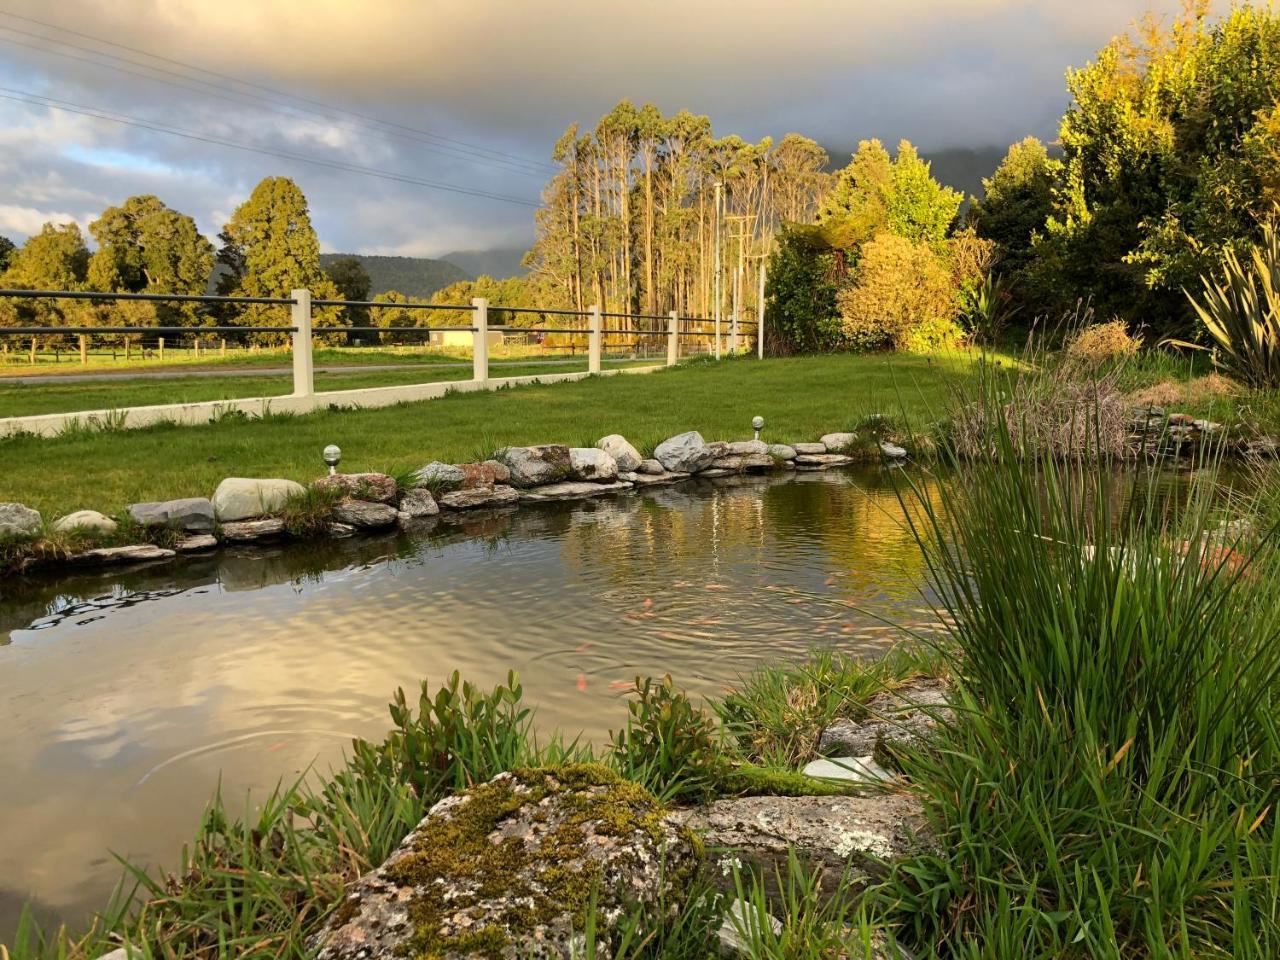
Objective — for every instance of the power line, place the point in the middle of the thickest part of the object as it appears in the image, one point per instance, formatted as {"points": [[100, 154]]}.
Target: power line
{"points": [[429, 141], [22, 96]]}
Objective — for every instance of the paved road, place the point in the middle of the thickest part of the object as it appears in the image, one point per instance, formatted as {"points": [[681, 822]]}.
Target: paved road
{"points": [[46, 379]]}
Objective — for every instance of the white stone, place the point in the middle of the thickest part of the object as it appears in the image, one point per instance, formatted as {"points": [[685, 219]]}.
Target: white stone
{"points": [[809, 448], [742, 448], [892, 450], [651, 467], [196, 543], [740, 921], [193, 514], [782, 451], [835, 442], [243, 498], [684, 453], [653, 479], [820, 461], [441, 475], [848, 770], [88, 520], [137, 553], [592, 463], [17, 520], [572, 490], [624, 454]]}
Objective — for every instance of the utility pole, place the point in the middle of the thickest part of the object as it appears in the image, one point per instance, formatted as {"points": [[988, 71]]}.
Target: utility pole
{"points": [[719, 193]]}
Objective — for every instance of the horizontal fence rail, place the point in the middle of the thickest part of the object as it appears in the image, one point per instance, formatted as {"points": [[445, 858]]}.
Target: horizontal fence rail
{"points": [[633, 328]]}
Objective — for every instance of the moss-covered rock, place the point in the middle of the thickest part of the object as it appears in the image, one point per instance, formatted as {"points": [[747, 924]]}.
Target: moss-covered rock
{"points": [[509, 868]]}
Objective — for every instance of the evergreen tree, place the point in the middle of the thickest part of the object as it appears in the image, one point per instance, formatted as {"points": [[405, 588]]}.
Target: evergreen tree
{"points": [[352, 280], [269, 249], [1016, 203], [7, 247]]}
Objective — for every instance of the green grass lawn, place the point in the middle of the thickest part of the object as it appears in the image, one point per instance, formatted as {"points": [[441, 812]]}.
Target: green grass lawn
{"points": [[799, 397], [55, 396]]}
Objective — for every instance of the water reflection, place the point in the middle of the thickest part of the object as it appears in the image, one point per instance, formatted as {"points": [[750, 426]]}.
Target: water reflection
{"points": [[124, 698]]}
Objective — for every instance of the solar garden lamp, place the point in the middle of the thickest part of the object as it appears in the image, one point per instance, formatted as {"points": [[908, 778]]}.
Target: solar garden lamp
{"points": [[332, 456], [757, 424]]}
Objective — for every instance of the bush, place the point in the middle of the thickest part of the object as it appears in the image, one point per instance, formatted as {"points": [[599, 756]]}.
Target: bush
{"points": [[903, 298], [1101, 344], [670, 746], [800, 291]]}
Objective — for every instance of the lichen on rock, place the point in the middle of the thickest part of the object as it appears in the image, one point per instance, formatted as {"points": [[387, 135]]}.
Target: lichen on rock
{"points": [[509, 868]]}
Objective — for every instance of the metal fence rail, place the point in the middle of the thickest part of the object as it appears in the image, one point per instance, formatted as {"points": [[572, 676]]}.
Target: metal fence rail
{"points": [[672, 327]]}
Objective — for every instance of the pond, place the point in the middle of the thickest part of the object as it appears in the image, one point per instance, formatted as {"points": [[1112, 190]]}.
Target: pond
{"points": [[124, 699]]}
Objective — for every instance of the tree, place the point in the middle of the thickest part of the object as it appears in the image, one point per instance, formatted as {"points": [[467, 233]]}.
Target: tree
{"points": [[800, 291], [56, 258], [7, 247], [1016, 203], [269, 249], [1170, 159], [352, 280], [904, 297], [145, 247]]}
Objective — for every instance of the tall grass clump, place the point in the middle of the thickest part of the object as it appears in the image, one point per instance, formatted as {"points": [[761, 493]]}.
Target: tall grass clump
{"points": [[1108, 787]]}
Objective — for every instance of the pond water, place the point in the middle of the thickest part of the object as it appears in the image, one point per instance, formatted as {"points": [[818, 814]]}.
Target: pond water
{"points": [[124, 698]]}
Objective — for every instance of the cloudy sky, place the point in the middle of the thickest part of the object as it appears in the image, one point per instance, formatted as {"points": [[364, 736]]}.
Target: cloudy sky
{"points": [[474, 93]]}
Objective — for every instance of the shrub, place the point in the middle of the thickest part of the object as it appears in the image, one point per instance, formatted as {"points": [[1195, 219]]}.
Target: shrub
{"points": [[1242, 313], [903, 298], [1102, 343], [801, 315], [669, 745]]}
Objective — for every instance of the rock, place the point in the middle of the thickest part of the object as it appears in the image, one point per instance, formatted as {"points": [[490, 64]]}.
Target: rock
{"points": [[826, 833], [850, 770], [714, 472], [892, 451], [684, 453], [900, 716], [742, 448], [591, 463], [364, 515], [838, 442], [509, 867], [372, 487], [441, 476], [496, 495], [810, 448], [653, 468], [483, 474], [90, 521], [821, 461], [246, 530], [572, 490], [138, 553], [624, 454], [193, 514], [718, 448], [532, 466], [740, 921], [1263, 448], [241, 498], [781, 451], [652, 480], [196, 543], [1206, 426], [339, 531], [19, 522], [417, 503], [741, 463]]}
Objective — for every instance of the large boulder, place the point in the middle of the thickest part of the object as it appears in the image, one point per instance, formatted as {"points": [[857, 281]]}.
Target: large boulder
{"points": [[192, 514], [905, 715], [19, 522], [441, 476], [685, 453], [624, 454], [243, 498], [509, 868], [782, 451], [531, 466], [483, 474], [372, 487], [592, 463], [417, 504], [829, 835], [86, 521], [838, 442]]}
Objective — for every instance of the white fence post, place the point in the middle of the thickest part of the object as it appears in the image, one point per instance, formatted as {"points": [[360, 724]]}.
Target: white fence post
{"points": [[760, 314], [673, 339], [480, 339], [304, 374], [594, 339]]}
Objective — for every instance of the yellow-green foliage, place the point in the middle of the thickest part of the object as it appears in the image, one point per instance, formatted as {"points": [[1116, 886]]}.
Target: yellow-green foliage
{"points": [[903, 297], [1102, 343]]}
